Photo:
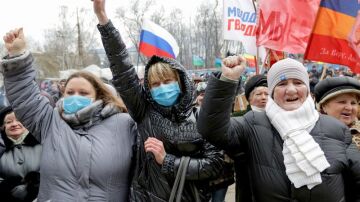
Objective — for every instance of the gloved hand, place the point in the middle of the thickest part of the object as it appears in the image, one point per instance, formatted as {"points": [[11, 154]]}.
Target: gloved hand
{"points": [[32, 178], [19, 192]]}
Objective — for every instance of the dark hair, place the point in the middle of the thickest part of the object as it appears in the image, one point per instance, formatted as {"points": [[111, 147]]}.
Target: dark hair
{"points": [[4, 111]]}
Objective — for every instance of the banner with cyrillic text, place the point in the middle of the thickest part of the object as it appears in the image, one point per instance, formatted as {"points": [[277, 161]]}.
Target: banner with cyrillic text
{"points": [[240, 23], [286, 25]]}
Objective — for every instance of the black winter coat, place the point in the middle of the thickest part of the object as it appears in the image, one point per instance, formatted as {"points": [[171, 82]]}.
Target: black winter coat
{"points": [[175, 126], [19, 170], [254, 135]]}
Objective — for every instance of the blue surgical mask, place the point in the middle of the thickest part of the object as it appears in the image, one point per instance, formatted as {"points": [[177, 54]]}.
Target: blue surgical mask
{"points": [[166, 94], [74, 103]]}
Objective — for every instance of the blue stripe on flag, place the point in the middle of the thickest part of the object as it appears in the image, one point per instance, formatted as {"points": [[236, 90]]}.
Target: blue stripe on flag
{"points": [[150, 38], [348, 7]]}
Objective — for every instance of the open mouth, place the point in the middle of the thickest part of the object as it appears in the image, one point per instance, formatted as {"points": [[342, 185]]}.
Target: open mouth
{"points": [[346, 115], [292, 99]]}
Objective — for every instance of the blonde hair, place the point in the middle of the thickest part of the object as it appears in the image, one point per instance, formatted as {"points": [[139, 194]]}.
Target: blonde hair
{"points": [[161, 71], [102, 91]]}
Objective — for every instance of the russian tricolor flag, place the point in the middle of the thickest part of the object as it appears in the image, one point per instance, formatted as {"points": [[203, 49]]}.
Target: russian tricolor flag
{"points": [[155, 40]]}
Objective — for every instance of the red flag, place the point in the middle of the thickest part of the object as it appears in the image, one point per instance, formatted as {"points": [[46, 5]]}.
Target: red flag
{"points": [[286, 25], [272, 57], [336, 34]]}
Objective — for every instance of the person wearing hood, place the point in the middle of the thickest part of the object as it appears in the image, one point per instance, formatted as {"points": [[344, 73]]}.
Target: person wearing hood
{"points": [[294, 153], [20, 163], [163, 110], [87, 139], [256, 92]]}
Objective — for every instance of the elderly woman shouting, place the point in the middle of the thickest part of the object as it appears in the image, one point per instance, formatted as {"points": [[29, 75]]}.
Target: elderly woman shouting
{"points": [[293, 152]]}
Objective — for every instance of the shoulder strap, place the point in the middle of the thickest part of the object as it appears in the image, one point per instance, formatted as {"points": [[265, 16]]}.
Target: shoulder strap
{"points": [[179, 182]]}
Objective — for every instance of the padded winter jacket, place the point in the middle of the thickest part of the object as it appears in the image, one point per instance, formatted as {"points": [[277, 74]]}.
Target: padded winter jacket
{"points": [[254, 136], [88, 161]]}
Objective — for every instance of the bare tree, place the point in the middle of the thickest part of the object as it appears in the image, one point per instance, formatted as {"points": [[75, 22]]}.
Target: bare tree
{"points": [[132, 19], [69, 45], [207, 42], [181, 32]]}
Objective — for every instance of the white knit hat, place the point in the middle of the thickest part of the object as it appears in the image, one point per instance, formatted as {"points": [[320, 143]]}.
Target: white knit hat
{"points": [[286, 69]]}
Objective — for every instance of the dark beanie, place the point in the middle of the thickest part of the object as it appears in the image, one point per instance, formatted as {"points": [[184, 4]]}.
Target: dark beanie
{"points": [[333, 86], [4, 111], [253, 82]]}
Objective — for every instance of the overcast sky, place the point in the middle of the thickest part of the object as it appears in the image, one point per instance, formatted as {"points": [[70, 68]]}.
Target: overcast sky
{"points": [[37, 15]]}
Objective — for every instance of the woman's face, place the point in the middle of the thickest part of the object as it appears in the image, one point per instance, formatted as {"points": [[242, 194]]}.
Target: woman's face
{"points": [[344, 107], [80, 86], [259, 96], [157, 83], [290, 94], [13, 128]]}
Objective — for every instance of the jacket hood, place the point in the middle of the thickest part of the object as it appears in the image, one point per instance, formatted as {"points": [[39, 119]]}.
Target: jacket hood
{"points": [[182, 109]]}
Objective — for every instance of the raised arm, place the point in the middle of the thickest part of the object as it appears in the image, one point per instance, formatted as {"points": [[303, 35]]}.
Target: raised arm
{"points": [[214, 122], [22, 91], [125, 78]]}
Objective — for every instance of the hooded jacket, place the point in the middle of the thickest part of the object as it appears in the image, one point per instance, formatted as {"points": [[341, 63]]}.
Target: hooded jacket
{"points": [[87, 159], [175, 126]]}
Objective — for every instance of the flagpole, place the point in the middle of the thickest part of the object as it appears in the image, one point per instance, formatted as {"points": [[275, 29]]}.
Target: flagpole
{"points": [[137, 62], [257, 48]]}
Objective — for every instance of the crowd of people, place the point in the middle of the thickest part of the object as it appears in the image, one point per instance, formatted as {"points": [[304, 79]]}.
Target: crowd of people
{"points": [[168, 138]]}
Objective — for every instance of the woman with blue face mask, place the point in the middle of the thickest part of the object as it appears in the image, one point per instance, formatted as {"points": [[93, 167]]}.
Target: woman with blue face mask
{"points": [[86, 139], [162, 108]]}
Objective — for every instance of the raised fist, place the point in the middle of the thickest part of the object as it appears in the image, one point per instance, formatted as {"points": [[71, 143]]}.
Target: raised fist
{"points": [[15, 42], [233, 67], [99, 10]]}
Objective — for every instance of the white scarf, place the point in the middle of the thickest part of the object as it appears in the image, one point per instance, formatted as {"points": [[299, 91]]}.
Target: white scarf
{"points": [[20, 139], [303, 158]]}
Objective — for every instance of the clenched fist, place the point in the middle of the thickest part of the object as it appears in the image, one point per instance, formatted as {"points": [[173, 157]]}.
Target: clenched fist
{"points": [[15, 42], [233, 67]]}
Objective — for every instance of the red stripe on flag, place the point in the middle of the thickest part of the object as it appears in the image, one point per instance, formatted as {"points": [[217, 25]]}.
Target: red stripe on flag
{"points": [[332, 50], [150, 50]]}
